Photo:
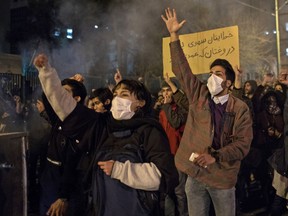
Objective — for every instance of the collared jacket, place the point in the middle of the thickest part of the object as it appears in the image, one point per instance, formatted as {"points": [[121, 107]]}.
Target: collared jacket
{"points": [[198, 135]]}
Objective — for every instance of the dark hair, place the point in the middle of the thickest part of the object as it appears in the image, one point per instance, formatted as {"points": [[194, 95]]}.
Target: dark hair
{"points": [[230, 75], [253, 84], [280, 98], [102, 94], [78, 88], [140, 91]]}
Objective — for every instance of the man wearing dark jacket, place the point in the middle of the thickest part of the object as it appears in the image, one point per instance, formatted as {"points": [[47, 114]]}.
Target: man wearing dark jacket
{"points": [[60, 184]]}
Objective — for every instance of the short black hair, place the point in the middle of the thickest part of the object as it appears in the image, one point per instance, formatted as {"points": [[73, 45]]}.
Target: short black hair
{"points": [[140, 91], [102, 94], [230, 75], [78, 88]]}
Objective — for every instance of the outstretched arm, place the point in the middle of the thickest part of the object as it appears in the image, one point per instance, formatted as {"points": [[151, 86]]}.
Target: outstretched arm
{"points": [[180, 66], [170, 83], [61, 101]]}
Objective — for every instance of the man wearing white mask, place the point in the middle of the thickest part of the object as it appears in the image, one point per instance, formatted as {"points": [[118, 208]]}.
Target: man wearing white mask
{"points": [[217, 135]]}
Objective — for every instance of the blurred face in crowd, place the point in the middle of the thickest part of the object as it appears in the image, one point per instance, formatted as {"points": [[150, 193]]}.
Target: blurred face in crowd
{"points": [[166, 91], [97, 105], [248, 88]]}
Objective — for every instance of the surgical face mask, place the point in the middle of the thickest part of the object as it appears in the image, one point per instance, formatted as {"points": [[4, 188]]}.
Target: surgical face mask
{"points": [[121, 108], [214, 84]]}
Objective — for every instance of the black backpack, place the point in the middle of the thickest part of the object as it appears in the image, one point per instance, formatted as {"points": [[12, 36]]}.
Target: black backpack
{"points": [[122, 146]]}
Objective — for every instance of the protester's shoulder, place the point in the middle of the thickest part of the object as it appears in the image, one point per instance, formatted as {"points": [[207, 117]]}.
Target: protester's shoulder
{"points": [[85, 113], [238, 103], [151, 125]]}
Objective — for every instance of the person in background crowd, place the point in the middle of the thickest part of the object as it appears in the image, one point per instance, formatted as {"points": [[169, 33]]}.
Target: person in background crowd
{"points": [[279, 161], [246, 92], [125, 144], [173, 119], [100, 100], [158, 103], [61, 188], [269, 125], [218, 131], [249, 88]]}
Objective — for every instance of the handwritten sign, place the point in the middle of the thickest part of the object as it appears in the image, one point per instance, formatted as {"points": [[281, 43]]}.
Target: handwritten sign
{"points": [[202, 48]]}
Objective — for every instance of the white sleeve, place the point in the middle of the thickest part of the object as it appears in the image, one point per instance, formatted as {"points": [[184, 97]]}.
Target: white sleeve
{"points": [[144, 176], [62, 102]]}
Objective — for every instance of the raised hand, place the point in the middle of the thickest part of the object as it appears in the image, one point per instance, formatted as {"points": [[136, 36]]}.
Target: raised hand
{"points": [[167, 78], [238, 72], [171, 21], [78, 77], [41, 61], [117, 76], [238, 77]]}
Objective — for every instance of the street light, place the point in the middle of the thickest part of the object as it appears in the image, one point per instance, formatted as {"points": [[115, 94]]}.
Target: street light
{"points": [[278, 36]]}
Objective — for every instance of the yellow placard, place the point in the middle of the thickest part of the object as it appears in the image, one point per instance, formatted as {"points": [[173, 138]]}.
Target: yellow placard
{"points": [[202, 48]]}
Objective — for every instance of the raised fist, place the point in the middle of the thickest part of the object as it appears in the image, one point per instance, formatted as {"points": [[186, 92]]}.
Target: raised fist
{"points": [[41, 61], [78, 77]]}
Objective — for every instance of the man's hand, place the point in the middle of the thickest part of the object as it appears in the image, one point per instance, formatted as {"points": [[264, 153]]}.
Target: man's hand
{"points": [[41, 61], [171, 21], [58, 208], [78, 77], [106, 166], [117, 76], [17, 99], [204, 160], [238, 72], [167, 99], [238, 77], [167, 78]]}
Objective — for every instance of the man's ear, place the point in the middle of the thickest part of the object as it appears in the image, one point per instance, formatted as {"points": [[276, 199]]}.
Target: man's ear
{"points": [[228, 83], [77, 98], [107, 102], [141, 103]]}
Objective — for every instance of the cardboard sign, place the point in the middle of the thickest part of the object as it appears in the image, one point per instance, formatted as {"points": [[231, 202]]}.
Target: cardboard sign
{"points": [[202, 48]]}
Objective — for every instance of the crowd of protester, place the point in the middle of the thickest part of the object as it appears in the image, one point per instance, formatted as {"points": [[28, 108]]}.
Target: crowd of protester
{"points": [[120, 150]]}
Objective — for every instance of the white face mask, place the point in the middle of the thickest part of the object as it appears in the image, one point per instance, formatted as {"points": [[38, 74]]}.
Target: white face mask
{"points": [[121, 108], [214, 84]]}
